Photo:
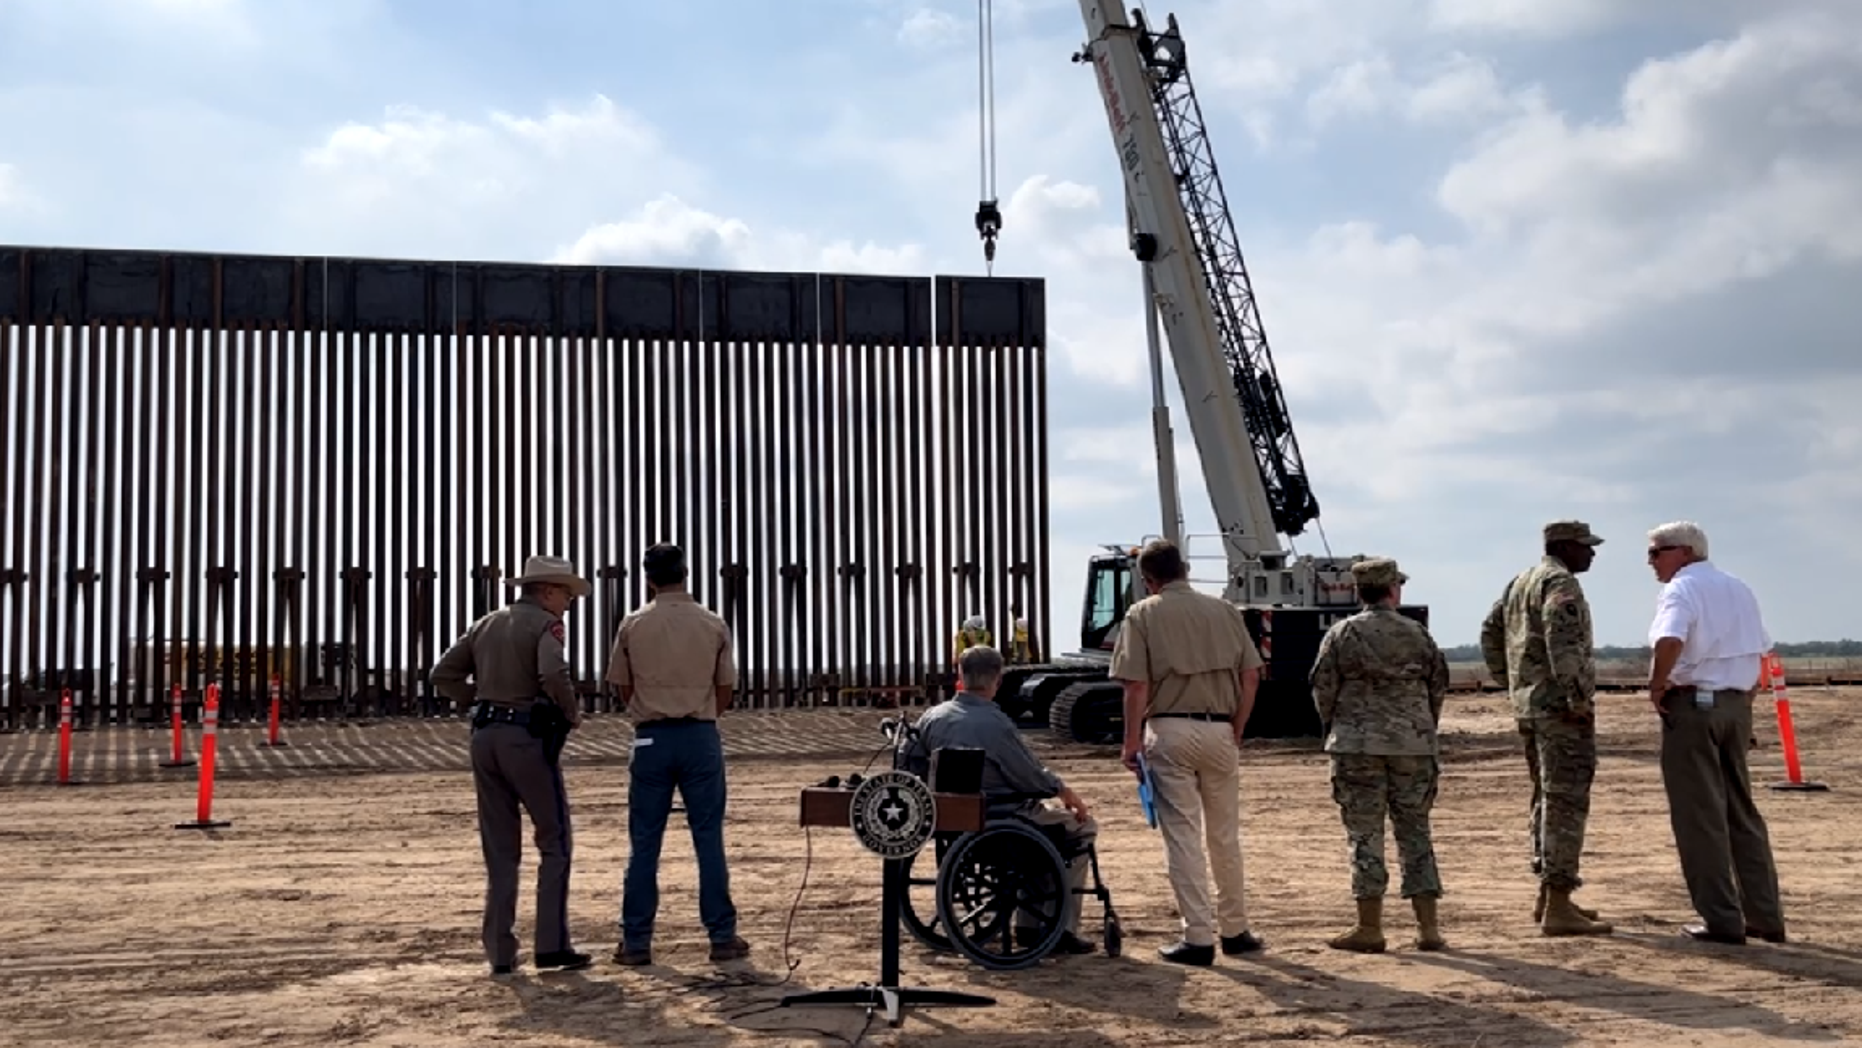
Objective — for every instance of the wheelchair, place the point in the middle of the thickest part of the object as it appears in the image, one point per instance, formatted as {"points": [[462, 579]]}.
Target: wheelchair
{"points": [[999, 895]]}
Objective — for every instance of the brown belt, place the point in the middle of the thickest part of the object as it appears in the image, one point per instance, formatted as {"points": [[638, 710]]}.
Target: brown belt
{"points": [[1217, 718]]}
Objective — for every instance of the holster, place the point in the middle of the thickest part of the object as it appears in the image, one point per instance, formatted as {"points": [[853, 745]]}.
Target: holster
{"points": [[551, 726]]}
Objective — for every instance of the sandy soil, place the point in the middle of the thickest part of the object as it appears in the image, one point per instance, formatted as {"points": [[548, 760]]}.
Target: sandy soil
{"points": [[343, 909]]}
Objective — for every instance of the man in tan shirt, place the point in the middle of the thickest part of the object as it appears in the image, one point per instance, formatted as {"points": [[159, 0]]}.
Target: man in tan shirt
{"points": [[672, 660], [1190, 671]]}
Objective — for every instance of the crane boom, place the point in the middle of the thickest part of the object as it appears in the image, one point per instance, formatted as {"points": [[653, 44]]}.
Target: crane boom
{"points": [[1197, 285], [1184, 237]]}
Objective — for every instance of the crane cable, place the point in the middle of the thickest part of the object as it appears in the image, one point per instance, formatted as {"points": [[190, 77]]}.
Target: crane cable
{"points": [[988, 215]]}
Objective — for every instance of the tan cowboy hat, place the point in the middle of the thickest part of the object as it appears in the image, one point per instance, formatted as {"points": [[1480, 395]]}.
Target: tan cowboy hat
{"points": [[553, 569]]}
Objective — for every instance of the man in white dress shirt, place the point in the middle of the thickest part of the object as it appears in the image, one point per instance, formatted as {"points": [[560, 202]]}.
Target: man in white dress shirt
{"points": [[1709, 639]]}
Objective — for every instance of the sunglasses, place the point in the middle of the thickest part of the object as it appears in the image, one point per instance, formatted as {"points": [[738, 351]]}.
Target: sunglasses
{"points": [[1656, 551]]}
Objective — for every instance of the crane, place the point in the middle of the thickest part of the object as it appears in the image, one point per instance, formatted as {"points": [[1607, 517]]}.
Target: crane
{"points": [[1197, 289]]}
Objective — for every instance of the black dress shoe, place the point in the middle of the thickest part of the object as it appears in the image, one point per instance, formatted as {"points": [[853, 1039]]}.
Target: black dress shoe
{"points": [[564, 960], [1702, 933], [1185, 953], [1071, 943], [1246, 942], [1772, 937], [500, 969]]}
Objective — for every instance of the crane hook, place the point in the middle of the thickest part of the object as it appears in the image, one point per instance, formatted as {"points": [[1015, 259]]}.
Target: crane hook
{"points": [[988, 224]]}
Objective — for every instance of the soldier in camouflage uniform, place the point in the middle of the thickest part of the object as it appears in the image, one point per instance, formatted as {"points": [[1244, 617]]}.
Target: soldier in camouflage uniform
{"points": [[1379, 682], [1537, 644]]}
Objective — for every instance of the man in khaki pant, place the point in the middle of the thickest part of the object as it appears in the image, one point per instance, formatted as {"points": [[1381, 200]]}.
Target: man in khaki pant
{"points": [[1190, 671]]}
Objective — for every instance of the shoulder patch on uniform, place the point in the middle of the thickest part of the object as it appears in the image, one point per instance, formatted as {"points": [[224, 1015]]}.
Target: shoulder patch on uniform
{"points": [[557, 631]]}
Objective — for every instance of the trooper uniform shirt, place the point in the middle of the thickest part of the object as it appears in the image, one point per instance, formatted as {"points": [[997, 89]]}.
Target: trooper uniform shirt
{"points": [[514, 655]]}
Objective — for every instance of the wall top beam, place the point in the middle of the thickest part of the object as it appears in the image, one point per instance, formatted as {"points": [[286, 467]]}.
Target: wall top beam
{"points": [[166, 289]]}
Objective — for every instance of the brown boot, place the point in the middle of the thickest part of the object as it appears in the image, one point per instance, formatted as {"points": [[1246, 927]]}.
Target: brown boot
{"points": [[1538, 908], [1563, 918], [1428, 932], [1368, 936]]}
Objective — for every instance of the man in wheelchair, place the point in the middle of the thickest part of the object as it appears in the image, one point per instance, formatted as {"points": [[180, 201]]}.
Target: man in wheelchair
{"points": [[1015, 782]]}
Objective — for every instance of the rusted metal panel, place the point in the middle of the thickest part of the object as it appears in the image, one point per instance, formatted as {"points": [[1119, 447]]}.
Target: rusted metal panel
{"points": [[234, 467]]}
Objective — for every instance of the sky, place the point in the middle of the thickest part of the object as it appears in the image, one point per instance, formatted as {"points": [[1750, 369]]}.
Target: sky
{"points": [[1517, 260]]}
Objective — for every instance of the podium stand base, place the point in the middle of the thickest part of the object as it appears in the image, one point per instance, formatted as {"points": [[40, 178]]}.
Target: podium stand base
{"points": [[892, 1000]]}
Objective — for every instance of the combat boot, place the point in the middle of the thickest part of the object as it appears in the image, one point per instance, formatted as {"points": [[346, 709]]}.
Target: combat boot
{"points": [[1563, 918], [1368, 936], [1428, 932], [1538, 908]]}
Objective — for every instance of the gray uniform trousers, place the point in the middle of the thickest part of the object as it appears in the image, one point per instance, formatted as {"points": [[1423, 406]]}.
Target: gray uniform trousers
{"points": [[510, 769], [1724, 846]]}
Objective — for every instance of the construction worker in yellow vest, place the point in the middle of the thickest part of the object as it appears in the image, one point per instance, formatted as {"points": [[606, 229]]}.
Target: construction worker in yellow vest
{"points": [[972, 633], [1020, 650]]}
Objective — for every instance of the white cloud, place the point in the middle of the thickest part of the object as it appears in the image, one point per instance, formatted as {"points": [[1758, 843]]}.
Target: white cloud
{"points": [[1531, 17], [670, 232], [499, 183], [1456, 88], [1461, 86], [928, 28]]}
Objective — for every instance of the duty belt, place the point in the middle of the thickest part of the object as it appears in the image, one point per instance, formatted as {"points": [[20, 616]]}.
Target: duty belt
{"points": [[492, 713], [1215, 718]]}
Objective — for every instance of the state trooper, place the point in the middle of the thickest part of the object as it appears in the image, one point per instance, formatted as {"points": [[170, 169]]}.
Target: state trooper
{"points": [[524, 707], [1537, 643], [1379, 682]]}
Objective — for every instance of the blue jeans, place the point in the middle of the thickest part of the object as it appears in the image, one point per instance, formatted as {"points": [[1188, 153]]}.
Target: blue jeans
{"points": [[688, 755]]}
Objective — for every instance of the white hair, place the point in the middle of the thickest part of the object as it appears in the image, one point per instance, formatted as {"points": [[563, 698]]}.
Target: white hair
{"points": [[1680, 533]]}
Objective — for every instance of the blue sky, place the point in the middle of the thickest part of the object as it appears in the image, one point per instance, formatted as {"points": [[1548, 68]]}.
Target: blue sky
{"points": [[1518, 259]]}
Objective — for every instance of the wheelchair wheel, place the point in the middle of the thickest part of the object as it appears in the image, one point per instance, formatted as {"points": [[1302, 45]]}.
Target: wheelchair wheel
{"points": [[921, 898], [1002, 896]]}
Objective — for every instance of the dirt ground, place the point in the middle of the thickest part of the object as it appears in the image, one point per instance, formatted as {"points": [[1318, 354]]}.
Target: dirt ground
{"points": [[343, 909]]}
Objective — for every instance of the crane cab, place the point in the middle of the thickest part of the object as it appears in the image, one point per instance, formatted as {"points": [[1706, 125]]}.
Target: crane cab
{"points": [[1111, 590]]}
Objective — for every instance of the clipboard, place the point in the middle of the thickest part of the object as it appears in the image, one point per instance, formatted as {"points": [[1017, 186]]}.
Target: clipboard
{"points": [[1147, 795]]}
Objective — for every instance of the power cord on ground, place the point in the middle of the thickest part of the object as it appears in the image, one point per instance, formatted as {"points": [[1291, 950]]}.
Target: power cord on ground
{"points": [[791, 963]]}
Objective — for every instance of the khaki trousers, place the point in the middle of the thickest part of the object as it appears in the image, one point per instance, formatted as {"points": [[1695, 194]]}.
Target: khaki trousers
{"points": [[1196, 775], [1080, 836]]}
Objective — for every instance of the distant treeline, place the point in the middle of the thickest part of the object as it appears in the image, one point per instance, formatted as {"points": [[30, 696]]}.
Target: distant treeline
{"points": [[1815, 649]]}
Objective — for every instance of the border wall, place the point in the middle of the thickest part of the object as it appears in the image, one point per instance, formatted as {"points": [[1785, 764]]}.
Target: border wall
{"points": [[232, 468]]}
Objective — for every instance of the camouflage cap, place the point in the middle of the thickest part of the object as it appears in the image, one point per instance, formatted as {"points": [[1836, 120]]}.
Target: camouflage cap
{"points": [[1571, 531], [1377, 571]]}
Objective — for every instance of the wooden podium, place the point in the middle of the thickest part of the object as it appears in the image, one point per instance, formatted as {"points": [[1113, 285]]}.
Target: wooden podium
{"points": [[956, 812]]}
